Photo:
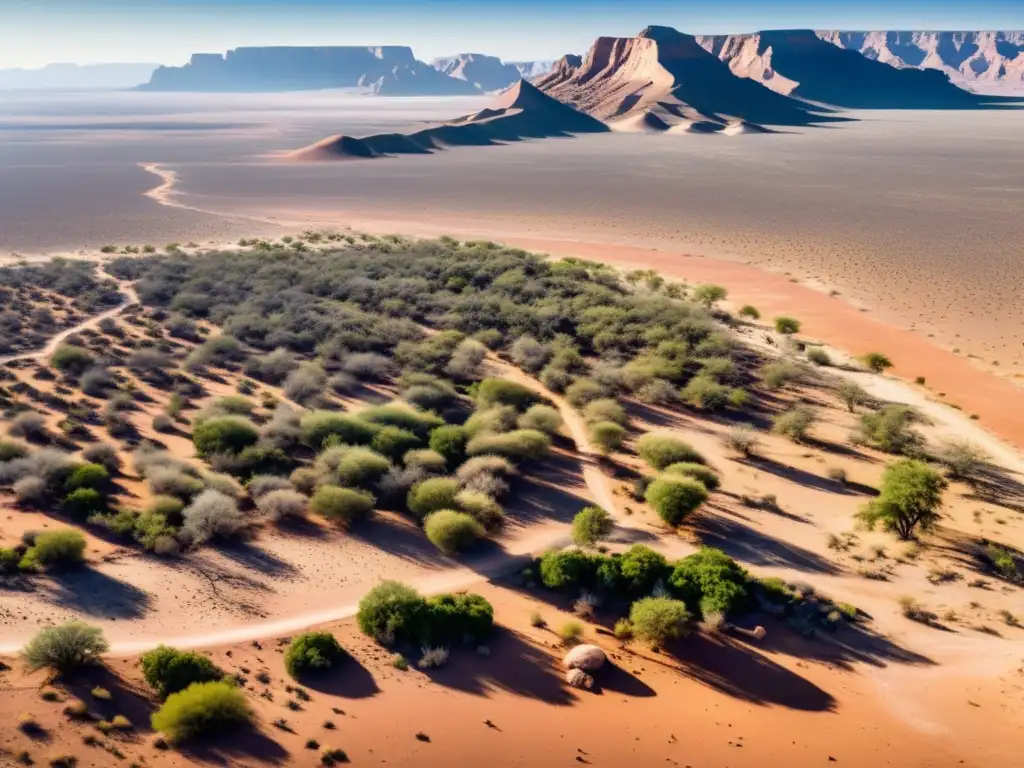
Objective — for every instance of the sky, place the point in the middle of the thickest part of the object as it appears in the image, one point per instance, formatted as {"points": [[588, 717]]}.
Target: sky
{"points": [[36, 32]]}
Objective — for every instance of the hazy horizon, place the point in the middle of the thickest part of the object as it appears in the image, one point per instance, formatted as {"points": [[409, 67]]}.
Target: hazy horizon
{"points": [[42, 32]]}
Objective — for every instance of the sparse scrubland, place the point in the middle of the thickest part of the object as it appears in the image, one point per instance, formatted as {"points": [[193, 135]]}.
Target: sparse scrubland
{"points": [[438, 388]]}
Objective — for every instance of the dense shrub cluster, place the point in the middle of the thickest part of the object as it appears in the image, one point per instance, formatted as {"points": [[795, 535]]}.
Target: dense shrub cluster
{"points": [[168, 670], [395, 613]]}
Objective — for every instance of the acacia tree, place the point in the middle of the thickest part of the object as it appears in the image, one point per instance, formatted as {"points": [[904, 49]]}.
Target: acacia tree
{"points": [[908, 500], [709, 294]]}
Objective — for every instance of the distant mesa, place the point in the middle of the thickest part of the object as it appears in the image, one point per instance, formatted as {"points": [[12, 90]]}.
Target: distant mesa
{"points": [[521, 112], [979, 60], [485, 73], [386, 70], [667, 79], [799, 63]]}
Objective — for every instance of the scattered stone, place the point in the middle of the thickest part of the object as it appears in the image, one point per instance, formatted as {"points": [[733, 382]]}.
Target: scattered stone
{"points": [[577, 678]]}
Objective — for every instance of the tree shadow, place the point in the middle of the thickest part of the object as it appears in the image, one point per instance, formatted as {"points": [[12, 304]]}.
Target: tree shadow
{"points": [[555, 491], [400, 537], [764, 504], [232, 747], [744, 543], [251, 556], [805, 478], [997, 486], [516, 665], [94, 593], [350, 680]]}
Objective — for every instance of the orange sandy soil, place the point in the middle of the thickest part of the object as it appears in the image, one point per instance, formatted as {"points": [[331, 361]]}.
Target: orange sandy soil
{"points": [[707, 701]]}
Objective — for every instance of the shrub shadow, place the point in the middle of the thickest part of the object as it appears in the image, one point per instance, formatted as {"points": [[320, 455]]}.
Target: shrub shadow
{"points": [[95, 594], [746, 544], [803, 477], [350, 680], [239, 747]]}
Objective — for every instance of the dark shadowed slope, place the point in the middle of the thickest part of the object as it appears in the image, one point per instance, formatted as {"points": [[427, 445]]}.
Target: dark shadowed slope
{"points": [[521, 112], [799, 63], [668, 72]]}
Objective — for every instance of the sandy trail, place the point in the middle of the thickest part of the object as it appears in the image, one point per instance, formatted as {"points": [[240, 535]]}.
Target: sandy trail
{"points": [[92, 322]]}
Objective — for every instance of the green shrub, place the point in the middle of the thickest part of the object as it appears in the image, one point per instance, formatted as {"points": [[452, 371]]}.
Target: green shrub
{"points": [[605, 409], [392, 612], [674, 498], [779, 373], [908, 500], [429, 461], [591, 525], [519, 445], [431, 495], [1004, 563], [571, 632], [482, 508], [12, 449], [420, 423], [83, 503], [168, 670], [450, 441], [852, 394], [794, 423], [202, 710], [890, 429], [656, 620], [394, 442], [65, 648], [659, 451], [318, 426], [638, 570], [452, 531], [457, 618], [787, 325], [568, 568], [55, 549], [354, 466], [9, 559], [542, 418], [342, 505], [86, 476], [709, 581], [875, 361], [819, 356], [72, 360], [493, 392], [697, 471], [313, 653], [750, 311], [606, 436], [705, 393], [225, 434], [583, 391]]}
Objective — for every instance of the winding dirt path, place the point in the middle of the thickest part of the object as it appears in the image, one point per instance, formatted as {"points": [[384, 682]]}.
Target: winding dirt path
{"points": [[123, 286]]}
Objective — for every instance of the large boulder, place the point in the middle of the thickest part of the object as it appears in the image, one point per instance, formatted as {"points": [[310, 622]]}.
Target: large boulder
{"points": [[586, 657]]}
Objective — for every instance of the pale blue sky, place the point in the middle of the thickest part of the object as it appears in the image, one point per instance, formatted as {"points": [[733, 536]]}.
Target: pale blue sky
{"points": [[36, 32]]}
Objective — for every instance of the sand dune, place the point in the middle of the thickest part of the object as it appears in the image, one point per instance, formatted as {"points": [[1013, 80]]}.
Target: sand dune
{"points": [[520, 112]]}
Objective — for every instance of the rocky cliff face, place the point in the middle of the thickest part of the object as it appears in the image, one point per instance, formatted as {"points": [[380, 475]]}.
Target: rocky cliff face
{"points": [[531, 69], [974, 58], [388, 70], [486, 73], [801, 63]]}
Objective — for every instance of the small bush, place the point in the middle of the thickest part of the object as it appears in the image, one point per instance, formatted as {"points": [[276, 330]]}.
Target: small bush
{"points": [[66, 647], [697, 471], [168, 670], [705, 393], [890, 429], [876, 362], [710, 581], [541, 418], [429, 461], [72, 360], [260, 485], [852, 394], [420, 423], [458, 618], [583, 391], [282, 504], [170, 481], [342, 505], [313, 653], [519, 445], [54, 550], [433, 658], [450, 441], [104, 455], [787, 325], [819, 356], [318, 426], [908, 500], [81, 504], [452, 531], [394, 442], [11, 449], [306, 384], [482, 508], [779, 373], [794, 423], [202, 709], [537, 621], [354, 466], [226, 434], [431, 495], [656, 620], [529, 354], [392, 612], [674, 498], [211, 514], [567, 568], [963, 459], [498, 418], [606, 436], [30, 426], [659, 451], [591, 525], [571, 633], [750, 311], [87, 476]]}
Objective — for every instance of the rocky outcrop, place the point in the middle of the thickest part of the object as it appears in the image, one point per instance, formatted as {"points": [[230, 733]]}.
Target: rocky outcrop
{"points": [[800, 63], [528, 70], [980, 58], [521, 112], [669, 74], [485, 73], [387, 70]]}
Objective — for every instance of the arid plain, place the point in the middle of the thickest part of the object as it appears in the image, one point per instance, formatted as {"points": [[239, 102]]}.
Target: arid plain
{"points": [[909, 219]]}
